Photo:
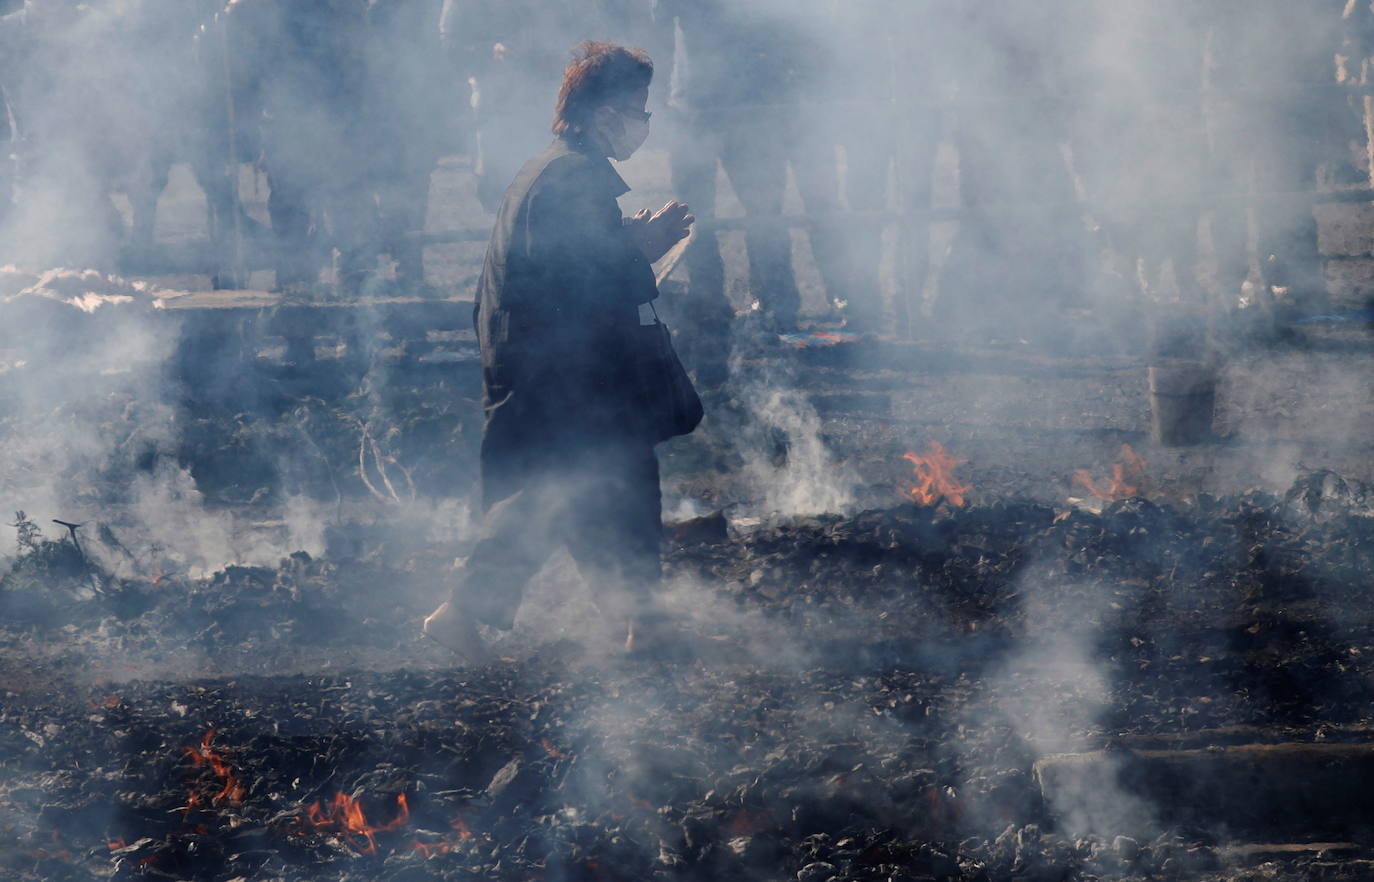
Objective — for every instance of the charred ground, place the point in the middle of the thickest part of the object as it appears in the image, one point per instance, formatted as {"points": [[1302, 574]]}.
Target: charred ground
{"points": [[871, 695]]}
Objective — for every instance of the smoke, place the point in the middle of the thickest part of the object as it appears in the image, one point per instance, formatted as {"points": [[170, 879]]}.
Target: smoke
{"points": [[1080, 140], [85, 397], [1052, 690], [1064, 131], [789, 464], [1067, 130], [92, 431], [101, 392]]}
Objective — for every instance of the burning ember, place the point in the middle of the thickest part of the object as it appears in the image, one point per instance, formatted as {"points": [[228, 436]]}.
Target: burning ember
{"points": [[203, 756], [345, 816], [935, 481], [428, 850], [1128, 478], [747, 823]]}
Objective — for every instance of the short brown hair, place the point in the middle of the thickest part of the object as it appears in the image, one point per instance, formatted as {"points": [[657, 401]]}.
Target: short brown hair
{"points": [[598, 75]]}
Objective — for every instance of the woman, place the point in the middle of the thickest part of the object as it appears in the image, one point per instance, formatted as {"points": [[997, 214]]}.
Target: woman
{"points": [[567, 454]]}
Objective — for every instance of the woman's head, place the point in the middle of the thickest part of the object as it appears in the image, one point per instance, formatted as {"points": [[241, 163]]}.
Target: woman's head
{"points": [[605, 88]]}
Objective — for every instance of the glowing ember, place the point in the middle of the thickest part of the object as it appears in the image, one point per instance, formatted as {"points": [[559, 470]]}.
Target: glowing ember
{"points": [[428, 850], [58, 852], [345, 816], [204, 756], [598, 871], [747, 823], [935, 481], [1128, 478]]}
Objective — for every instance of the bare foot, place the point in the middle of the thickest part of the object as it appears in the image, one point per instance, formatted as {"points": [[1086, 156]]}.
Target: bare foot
{"points": [[451, 630]]}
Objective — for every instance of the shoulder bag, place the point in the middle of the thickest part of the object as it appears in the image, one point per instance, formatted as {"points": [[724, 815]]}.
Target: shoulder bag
{"points": [[669, 399]]}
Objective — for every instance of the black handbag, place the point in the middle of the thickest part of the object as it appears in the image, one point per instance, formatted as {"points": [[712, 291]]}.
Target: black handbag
{"points": [[668, 396]]}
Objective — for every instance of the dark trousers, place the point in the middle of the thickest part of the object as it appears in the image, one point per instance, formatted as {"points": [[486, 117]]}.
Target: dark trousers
{"points": [[600, 501]]}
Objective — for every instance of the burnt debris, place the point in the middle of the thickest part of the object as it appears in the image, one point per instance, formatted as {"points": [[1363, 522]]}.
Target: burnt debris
{"points": [[851, 712]]}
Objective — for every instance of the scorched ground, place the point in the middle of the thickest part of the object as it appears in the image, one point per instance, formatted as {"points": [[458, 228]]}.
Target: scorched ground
{"points": [[1170, 679]]}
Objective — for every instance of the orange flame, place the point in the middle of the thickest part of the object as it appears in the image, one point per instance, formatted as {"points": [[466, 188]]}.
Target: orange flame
{"points": [[428, 850], [345, 814], [935, 481], [204, 756], [1128, 478]]}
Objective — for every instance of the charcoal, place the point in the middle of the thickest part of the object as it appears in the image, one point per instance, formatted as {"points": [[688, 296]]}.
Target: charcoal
{"points": [[515, 783], [820, 871], [757, 851], [932, 862], [1354, 869], [1126, 848], [708, 529]]}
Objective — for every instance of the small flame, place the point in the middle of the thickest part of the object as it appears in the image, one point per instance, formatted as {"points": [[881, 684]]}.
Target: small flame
{"points": [[231, 792], [1128, 478], [428, 850], [935, 481], [345, 815]]}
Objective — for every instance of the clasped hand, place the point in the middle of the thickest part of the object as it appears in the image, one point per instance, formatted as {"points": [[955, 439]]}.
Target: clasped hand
{"points": [[655, 233]]}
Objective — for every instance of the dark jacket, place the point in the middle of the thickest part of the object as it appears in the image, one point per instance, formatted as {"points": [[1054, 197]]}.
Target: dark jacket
{"points": [[557, 311]]}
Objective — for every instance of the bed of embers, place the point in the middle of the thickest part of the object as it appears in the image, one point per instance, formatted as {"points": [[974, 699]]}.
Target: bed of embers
{"points": [[869, 697]]}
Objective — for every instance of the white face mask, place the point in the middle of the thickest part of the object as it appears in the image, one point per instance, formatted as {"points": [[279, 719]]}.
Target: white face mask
{"points": [[630, 138]]}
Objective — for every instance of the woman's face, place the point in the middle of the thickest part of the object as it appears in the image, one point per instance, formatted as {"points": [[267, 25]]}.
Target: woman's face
{"points": [[623, 127]]}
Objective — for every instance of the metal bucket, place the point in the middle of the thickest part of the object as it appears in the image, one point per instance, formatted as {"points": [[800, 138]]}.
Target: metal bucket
{"points": [[1183, 398]]}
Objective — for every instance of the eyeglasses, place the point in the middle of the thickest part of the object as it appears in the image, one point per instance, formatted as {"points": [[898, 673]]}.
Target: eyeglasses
{"points": [[641, 115]]}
